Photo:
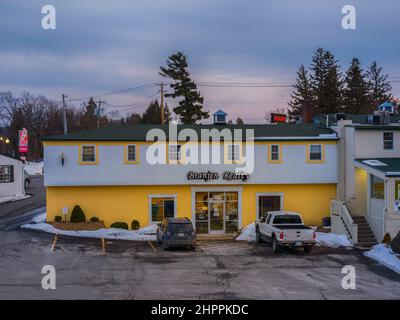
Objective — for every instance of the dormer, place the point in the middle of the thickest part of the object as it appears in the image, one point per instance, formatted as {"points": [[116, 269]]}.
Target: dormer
{"points": [[220, 117]]}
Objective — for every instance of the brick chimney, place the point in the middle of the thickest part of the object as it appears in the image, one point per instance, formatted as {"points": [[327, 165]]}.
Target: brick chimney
{"points": [[307, 111]]}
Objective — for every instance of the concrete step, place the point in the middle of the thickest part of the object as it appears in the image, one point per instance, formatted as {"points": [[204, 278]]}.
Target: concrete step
{"points": [[365, 245]]}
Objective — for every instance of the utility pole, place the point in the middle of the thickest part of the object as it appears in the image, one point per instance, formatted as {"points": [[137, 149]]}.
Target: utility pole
{"points": [[98, 112], [161, 100], [64, 114]]}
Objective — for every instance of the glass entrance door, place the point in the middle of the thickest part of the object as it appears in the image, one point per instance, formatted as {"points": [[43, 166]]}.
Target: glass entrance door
{"points": [[216, 217]]}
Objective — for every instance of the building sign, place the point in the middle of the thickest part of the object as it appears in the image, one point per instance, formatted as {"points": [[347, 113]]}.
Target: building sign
{"points": [[278, 118], [207, 176], [23, 141]]}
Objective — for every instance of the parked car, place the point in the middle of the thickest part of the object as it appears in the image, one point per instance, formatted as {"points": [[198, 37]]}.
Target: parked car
{"points": [[285, 229], [27, 179], [176, 232]]}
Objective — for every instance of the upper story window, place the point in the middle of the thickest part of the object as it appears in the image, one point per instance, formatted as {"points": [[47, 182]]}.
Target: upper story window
{"points": [[233, 152], [274, 155], [6, 174], [315, 152], [175, 152], [88, 154], [131, 154], [388, 140]]}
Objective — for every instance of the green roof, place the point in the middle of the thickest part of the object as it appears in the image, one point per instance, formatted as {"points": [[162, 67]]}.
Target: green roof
{"points": [[389, 166], [138, 132], [355, 118]]}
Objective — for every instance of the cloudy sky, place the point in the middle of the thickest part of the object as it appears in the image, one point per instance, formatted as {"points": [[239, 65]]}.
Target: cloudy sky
{"points": [[103, 46]]}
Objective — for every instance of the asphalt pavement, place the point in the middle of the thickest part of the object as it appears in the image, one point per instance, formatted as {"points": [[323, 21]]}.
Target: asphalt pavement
{"points": [[15, 213]]}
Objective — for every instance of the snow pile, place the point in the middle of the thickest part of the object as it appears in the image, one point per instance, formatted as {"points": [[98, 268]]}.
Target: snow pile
{"points": [[248, 233], [14, 198], [34, 168], [385, 256], [143, 234], [332, 240], [40, 218]]}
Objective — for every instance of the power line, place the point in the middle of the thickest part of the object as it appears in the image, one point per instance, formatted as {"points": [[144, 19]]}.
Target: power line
{"points": [[132, 105], [115, 92]]}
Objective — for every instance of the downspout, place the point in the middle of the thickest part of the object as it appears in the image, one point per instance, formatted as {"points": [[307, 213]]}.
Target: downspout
{"points": [[386, 206]]}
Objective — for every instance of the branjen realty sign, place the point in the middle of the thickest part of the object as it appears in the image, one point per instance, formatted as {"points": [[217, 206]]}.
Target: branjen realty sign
{"points": [[206, 176]]}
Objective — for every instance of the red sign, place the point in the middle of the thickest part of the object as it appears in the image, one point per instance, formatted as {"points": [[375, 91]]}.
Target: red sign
{"points": [[278, 118], [23, 141]]}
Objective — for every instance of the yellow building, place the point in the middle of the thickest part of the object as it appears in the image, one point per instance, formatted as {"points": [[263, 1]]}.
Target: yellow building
{"points": [[221, 176]]}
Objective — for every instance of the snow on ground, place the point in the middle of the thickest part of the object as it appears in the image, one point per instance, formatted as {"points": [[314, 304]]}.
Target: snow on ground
{"points": [[248, 233], [143, 234], [14, 198], [385, 256], [323, 239], [34, 168], [40, 218], [332, 240]]}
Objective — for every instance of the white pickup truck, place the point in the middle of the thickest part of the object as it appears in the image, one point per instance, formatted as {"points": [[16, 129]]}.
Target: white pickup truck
{"points": [[285, 229]]}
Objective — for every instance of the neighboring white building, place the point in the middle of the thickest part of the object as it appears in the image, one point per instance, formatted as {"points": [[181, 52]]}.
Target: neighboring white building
{"points": [[11, 176], [368, 191]]}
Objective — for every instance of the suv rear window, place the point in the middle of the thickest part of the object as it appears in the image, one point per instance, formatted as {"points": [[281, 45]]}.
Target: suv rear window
{"points": [[180, 227], [287, 219]]}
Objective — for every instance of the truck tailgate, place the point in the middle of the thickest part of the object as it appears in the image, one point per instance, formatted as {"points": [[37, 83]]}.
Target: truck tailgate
{"points": [[298, 234]]}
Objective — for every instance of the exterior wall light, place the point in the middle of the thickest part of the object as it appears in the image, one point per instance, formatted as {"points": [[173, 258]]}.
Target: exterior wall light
{"points": [[62, 158]]}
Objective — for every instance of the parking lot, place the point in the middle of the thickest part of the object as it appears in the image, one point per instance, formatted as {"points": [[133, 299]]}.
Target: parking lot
{"points": [[87, 269]]}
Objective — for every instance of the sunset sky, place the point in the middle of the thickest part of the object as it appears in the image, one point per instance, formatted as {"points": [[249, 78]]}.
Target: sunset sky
{"points": [[101, 46]]}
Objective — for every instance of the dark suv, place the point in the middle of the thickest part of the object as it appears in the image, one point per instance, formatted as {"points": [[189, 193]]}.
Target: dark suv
{"points": [[176, 232]]}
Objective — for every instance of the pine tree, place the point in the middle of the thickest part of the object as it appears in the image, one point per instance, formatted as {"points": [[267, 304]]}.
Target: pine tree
{"points": [[89, 117], [356, 95], [326, 82], [302, 92], [152, 115], [379, 86], [190, 107]]}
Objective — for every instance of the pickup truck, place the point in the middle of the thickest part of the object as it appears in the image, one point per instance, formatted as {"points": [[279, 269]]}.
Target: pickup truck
{"points": [[285, 229]]}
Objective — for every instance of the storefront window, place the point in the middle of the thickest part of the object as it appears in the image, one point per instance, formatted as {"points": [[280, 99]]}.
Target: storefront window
{"points": [[377, 188], [162, 208], [201, 212], [231, 215]]}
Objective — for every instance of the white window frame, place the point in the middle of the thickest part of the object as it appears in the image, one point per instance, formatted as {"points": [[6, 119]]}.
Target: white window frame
{"points": [[275, 152], [94, 152], [151, 196], [177, 154], [386, 140], [234, 155], [311, 152], [7, 177], [134, 152]]}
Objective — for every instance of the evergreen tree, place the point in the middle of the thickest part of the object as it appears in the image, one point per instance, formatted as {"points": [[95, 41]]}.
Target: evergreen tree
{"points": [[379, 86], [89, 117], [326, 82], [302, 92], [190, 106], [356, 95], [133, 118], [152, 115]]}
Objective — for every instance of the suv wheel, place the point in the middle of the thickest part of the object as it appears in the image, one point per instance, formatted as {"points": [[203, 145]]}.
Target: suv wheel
{"points": [[26, 184], [164, 246]]}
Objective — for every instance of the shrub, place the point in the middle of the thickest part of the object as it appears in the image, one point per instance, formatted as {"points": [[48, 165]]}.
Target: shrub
{"points": [[94, 219], [387, 239], [57, 218], [135, 225], [119, 225], [77, 214]]}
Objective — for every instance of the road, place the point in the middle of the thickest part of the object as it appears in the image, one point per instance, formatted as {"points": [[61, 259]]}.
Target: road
{"points": [[15, 213], [215, 270]]}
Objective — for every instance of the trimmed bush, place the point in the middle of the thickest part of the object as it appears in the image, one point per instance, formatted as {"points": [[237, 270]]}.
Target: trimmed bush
{"points": [[395, 245], [94, 219], [119, 225], [387, 239], [57, 218], [77, 214], [135, 225]]}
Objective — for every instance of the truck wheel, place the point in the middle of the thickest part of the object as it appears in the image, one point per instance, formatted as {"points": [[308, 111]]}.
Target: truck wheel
{"points": [[307, 249], [258, 236], [27, 183], [164, 246], [275, 246]]}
